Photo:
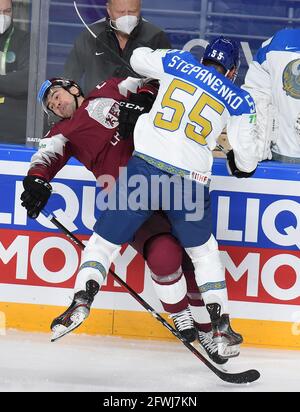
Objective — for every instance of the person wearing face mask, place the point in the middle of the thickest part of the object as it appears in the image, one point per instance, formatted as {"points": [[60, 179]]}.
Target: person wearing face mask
{"points": [[123, 30], [14, 64]]}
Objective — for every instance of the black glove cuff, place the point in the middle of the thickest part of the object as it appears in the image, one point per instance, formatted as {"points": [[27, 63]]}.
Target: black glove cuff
{"points": [[33, 183], [130, 111], [233, 169]]}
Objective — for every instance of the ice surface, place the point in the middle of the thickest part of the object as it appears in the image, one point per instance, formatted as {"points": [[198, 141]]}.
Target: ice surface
{"points": [[80, 363]]}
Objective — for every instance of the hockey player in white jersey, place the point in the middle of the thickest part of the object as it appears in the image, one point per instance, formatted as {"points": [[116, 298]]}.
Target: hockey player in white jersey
{"points": [[175, 141], [273, 80]]}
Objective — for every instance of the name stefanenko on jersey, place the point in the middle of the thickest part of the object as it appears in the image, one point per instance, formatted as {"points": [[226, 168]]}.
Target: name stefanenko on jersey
{"points": [[191, 71], [193, 106]]}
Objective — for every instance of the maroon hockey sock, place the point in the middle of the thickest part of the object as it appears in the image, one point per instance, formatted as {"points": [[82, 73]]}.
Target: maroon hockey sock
{"points": [[194, 298], [163, 254]]}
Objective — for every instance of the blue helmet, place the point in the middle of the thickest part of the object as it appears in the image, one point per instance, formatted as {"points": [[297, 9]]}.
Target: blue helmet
{"points": [[223, 51]]}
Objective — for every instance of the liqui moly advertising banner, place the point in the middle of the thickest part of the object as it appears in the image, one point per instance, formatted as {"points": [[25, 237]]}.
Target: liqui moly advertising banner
{"points": [[38, 264], [256, 222]]}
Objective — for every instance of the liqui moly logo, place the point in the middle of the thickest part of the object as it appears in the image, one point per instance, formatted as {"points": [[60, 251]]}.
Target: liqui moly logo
{"points": [[257, 225]]}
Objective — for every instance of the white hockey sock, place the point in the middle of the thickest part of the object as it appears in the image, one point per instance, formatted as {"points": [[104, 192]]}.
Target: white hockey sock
{"points": [[96, 259], [170, 289], [210, 273]]}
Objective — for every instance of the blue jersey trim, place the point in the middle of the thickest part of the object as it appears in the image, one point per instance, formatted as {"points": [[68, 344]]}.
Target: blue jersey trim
{"points": [[285, 40], [183, 65]]}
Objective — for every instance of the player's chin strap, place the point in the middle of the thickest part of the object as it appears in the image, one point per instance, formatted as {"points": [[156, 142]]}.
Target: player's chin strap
{"points": [[75, 99], [237, 378], [79, 93]]}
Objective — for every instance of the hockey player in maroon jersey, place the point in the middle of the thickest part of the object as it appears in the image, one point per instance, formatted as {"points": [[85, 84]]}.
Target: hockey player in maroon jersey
{"points": [[97, 130]]}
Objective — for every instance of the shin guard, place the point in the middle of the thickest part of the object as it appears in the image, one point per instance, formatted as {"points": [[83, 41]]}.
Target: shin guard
{"points": [[210, 273], [96, 259]]}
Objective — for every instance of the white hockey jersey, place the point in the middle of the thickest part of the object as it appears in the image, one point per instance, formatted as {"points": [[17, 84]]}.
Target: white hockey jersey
{"points": [[273, 80], [193, 106]]}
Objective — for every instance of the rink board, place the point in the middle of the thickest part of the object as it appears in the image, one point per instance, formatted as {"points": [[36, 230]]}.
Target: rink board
{"points": [[257, 227]]}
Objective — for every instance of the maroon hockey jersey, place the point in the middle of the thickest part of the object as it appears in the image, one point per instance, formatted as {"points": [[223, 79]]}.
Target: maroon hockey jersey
{"points": [[91, 135]]}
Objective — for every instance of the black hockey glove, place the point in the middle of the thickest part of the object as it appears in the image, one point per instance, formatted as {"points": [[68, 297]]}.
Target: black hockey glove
{"points": [[35, 196], [232, 167], [130, 111]]}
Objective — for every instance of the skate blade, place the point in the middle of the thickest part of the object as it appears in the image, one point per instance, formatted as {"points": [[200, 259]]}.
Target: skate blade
{"points": [[60, 330], [197, 345], [226, 351]]}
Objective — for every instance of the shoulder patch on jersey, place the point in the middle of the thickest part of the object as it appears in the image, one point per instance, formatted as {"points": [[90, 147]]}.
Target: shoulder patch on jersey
{"points": [[104, 111], [291, 79]]}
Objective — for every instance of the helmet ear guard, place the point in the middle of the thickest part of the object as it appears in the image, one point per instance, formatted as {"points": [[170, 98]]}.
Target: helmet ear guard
{"points": [[224, 52]]}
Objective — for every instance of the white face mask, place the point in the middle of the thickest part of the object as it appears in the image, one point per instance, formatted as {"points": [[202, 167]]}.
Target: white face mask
{"points": [[126, 24], [5, 22]]}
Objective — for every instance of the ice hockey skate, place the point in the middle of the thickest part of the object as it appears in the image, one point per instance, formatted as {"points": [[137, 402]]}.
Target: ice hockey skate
{"points": [[184, 324], [78, 311], [227, 341], [210, 348]]}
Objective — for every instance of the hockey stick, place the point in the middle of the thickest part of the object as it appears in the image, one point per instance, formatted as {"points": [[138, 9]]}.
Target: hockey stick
{"points": [[222, 149], [111, 51], [238, 378]]}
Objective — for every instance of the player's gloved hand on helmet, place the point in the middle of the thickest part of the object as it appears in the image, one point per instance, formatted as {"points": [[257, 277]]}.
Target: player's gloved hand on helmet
{"points": [[36, 194], [233, 169], [130, 111]]}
